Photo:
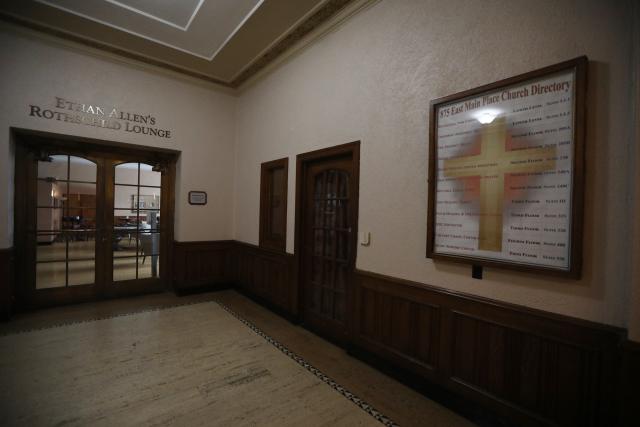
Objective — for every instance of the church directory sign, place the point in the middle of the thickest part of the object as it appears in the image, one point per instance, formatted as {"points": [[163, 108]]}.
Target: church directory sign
{"points": [[506, 172]]}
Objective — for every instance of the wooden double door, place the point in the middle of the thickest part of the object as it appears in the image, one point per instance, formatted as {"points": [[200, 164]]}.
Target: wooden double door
{"points": [[92, 221], [329, 209]]}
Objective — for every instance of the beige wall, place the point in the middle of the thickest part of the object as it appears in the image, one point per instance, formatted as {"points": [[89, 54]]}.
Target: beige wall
{"points": [[372, 80], [200, 117]]}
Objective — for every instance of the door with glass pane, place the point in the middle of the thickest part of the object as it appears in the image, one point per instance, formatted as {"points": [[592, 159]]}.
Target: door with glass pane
{"points": [[65, 226], [91, 224], [328, 252], [135, 227]]}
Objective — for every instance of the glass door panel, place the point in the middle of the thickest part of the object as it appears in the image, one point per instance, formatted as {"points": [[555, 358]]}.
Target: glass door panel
{"points": [[66, 222], [330, 244], [124, 268], [136, 222], [51, 275]]}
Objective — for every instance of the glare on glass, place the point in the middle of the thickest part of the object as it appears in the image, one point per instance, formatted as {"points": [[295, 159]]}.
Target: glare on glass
{"points": [[148, 176], [48, 219], [148, 267], [82, 272], [50, 194], [126, 173], [51, 246], [55, 168], [81, 169], [124, 197], [124, 269], [82, 247], [50, 275]]}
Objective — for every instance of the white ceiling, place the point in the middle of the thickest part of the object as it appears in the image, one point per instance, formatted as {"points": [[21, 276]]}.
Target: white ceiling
{"points": [[223, 41], [198, 27]]}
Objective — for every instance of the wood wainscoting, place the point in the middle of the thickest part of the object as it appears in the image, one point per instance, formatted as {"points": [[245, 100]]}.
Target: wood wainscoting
{"points": [[264, 274], [629, 380], [203, 265], [267, 275], [6, 283], [532, 367]]}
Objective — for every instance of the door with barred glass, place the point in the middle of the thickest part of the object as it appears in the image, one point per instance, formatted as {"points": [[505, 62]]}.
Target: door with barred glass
{"points": [[328, 246], [135, 227], [91, 225], [64, 225]]}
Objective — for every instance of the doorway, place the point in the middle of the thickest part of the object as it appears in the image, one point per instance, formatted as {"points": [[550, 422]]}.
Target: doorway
{"points": [[93, 219], [326, 230]]}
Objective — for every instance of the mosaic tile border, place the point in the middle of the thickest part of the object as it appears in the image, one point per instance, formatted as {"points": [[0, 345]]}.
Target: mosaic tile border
{"points": [[315, 371]]}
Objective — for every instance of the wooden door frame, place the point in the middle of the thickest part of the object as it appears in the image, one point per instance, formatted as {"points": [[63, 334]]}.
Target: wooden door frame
{"points": [[27, 140], [265, 202], [302, 164]]}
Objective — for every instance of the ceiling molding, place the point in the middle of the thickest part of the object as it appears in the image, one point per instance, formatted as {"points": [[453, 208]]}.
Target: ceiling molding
{"points": [[235, 31], [320, 16], [333, 23], [147, 15], [276, 41], [151, 16]]}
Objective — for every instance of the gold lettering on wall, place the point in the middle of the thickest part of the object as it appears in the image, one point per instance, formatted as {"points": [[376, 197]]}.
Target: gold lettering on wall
{"points": [[112, 118]]}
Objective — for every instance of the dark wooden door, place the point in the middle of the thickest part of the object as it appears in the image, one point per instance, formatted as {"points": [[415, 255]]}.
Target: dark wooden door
{"points": [[90, 223], [328, 245], [61, 232]]}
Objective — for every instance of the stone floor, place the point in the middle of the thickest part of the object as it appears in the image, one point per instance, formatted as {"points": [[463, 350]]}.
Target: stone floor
{"points": [[400, 403]]}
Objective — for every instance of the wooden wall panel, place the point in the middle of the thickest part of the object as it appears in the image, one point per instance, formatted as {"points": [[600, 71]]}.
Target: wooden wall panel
{"points": [[6, 283], [531, 367], [202, 264], [403, 329], [266, 274], [554, 379], [630, 380]]}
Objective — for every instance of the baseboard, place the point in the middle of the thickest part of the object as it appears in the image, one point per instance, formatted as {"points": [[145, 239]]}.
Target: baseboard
{"points": [[268, 304], [6, 283], [200, 289], [629, 381]]}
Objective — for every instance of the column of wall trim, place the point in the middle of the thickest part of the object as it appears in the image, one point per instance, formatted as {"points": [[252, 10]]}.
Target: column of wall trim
{"points": [[633, 324]]}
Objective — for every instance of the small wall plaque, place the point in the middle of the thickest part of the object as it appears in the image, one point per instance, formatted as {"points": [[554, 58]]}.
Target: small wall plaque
{"points": [[197, 198]]}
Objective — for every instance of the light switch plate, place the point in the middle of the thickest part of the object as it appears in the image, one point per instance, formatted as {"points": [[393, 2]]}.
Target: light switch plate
{"points": [[364, 238]]}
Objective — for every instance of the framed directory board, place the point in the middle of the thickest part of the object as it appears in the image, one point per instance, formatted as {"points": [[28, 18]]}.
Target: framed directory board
{"points": [[506, 172]]}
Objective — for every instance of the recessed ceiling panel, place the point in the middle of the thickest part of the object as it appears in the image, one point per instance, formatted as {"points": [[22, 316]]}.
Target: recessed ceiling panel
{"points": [[208, 24], [223, 41], [178, 13]]}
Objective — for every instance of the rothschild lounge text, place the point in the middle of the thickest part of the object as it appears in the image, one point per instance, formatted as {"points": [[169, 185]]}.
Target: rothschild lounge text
{"points": [[93, 115]]}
